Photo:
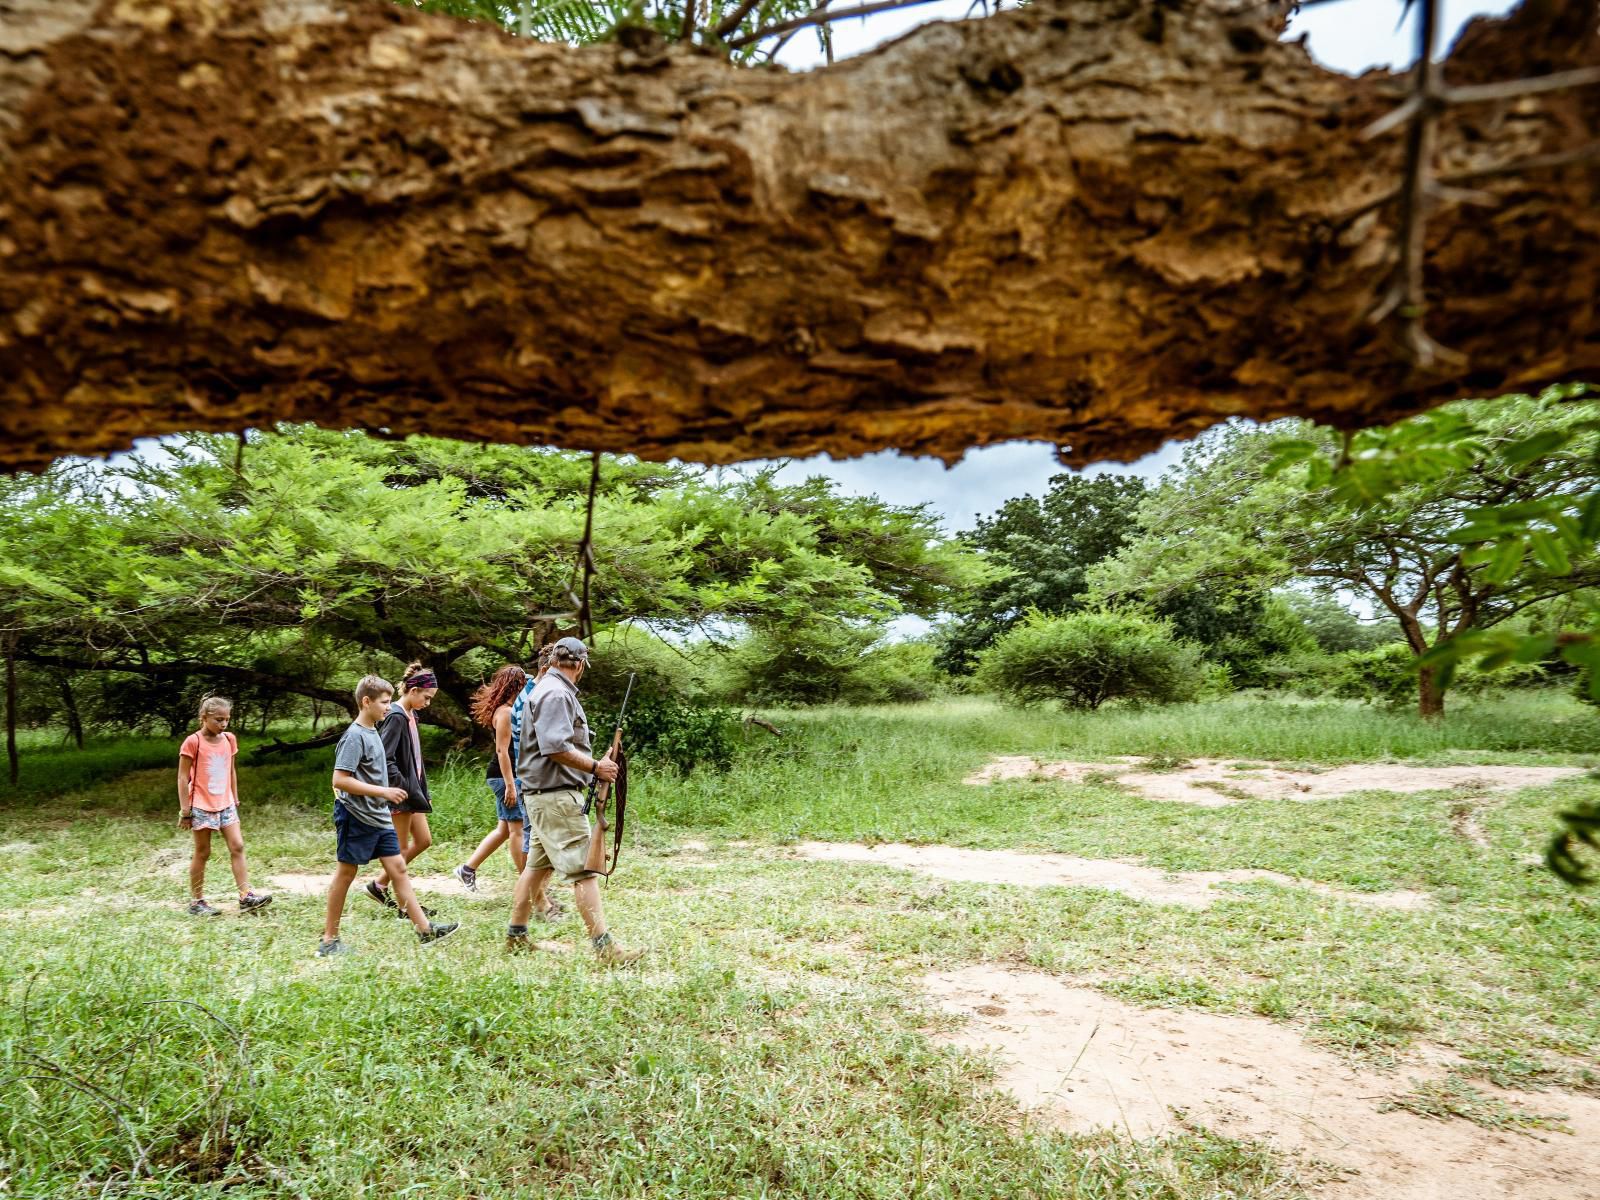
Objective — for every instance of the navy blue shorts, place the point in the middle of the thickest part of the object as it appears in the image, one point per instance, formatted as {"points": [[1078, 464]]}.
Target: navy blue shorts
{"points": [[498, 787], [360, 843]]}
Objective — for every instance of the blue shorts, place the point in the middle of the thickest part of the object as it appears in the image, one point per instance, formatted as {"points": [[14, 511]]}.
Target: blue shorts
{"points": [[360, 843], [498, 787]]}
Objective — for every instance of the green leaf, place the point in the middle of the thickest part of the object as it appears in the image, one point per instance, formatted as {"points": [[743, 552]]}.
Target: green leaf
{"points": [[1550, 553], [1507, 558], [1536, 446]]}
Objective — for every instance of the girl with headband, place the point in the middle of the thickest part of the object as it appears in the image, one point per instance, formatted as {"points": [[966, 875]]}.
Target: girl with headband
{"points": [[402, 745]]}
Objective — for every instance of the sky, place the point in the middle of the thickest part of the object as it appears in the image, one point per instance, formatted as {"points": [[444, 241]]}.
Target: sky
{"points": [[1348, 35]]}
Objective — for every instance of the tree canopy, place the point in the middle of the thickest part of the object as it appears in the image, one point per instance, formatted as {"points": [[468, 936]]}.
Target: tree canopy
{"points": [[278, 562], [1250, 506]]}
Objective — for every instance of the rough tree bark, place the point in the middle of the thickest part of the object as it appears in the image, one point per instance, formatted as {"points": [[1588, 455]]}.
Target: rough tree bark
{"points": [[1098, 222]]}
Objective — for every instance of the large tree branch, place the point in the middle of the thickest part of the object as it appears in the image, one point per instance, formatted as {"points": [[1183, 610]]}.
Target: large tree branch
{"points": [[144, 666], [1099, 222]]}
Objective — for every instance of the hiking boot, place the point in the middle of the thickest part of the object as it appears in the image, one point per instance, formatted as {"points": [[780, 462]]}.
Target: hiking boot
{"points": [[381, 895], [437, 933], [608, 954], [251, 901], [519, 943], [199, 908], [329, 949], [467, 876]]}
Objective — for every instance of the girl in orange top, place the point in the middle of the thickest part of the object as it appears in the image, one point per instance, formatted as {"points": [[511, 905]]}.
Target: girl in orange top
{"points": [[208, 800]]}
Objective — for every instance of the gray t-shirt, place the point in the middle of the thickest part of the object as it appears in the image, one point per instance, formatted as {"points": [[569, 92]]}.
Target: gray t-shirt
{"points": [[553, 722], [360, 753]]}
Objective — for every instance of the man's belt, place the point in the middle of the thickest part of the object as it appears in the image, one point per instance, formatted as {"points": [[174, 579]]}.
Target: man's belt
{"points": [[560, 787]]}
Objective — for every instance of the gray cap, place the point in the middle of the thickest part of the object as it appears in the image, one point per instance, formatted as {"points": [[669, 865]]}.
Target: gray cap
{"points": [[571, 648]]}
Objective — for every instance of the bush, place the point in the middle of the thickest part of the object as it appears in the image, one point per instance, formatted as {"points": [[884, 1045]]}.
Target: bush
{"points": [[1087, 658], [798, 665], [1387, 676], [894, 673], [668, 731]]}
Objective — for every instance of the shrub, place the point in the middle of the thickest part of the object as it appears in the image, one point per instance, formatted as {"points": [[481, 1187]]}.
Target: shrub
{"points": [[1087, 658], [1387, 676], [668, 731], [894, 673]]}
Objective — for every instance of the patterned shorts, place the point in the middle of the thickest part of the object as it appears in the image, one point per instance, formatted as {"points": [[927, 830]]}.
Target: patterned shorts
{"points": [[205, 819]]}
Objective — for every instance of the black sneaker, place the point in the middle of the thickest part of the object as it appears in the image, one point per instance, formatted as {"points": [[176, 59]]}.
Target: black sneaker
{"points": [[430, 913], [381, 895], [329, 949], [437, 933], [199, 908], [468, 877], [251, 901]]}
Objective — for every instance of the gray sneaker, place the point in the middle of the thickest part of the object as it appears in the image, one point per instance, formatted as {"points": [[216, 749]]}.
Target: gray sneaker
{"points": [[468, 877], [437, 932], [251, 901], [329, 949], [199, 908]]}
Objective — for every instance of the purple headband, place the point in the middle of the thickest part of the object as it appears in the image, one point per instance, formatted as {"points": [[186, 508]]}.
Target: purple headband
{"points": [[422, 679]]}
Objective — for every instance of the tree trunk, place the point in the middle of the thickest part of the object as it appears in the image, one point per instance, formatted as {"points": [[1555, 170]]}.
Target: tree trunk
{"points": [[1430, 696], [69, 705], [1104, 223]]}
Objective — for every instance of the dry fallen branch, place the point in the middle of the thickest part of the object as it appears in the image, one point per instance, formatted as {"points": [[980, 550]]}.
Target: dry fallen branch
{"points": [[1102, 224]]}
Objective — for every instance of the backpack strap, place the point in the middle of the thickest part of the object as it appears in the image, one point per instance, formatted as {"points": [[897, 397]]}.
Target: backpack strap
{"points": [[518, 707]]}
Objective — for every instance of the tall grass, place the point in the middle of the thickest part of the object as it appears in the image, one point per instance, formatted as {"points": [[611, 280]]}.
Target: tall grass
{"points": [[776, 1043]]}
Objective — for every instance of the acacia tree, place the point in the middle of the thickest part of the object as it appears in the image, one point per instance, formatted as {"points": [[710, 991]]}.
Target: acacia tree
{"points": [[1235, 511], [275, 566], [1099, 222]]}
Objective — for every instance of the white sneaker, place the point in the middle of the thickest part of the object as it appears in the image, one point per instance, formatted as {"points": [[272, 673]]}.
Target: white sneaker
{"points": [[468, 877]]}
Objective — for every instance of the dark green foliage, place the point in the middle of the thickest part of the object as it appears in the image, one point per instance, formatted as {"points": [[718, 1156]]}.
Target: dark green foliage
{"points": [[809, 664], [895, 673], [665, 731], [1335, 628], [1046, 547], [1088, 658], [1240, 630]]}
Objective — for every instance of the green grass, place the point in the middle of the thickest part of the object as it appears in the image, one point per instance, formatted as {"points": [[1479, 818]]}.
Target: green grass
{"points": [[776, 1043]]}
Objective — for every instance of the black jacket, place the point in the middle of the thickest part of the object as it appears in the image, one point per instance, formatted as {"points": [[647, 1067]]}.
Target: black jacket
{"points": [[404, 769]]}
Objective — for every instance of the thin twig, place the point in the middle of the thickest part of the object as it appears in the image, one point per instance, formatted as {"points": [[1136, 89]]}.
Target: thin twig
{"points": [[1514, 89], [733, 20], [778, 46], [1446, 184], [1405, 294], [816, 16]]}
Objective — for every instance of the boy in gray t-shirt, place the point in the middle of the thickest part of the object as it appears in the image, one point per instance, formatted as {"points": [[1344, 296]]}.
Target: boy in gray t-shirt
{"points": [[360, 753], [361, 800]]}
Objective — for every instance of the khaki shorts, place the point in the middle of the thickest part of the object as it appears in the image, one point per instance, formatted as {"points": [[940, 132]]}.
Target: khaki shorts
{"points": [[557, 834]]}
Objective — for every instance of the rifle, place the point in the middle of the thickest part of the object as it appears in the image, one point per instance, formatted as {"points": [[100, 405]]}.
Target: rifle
{"points": [[600, 792]]}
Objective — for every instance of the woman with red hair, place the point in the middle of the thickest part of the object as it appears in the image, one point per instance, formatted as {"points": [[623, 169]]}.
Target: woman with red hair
{"points": [[491, 708]]}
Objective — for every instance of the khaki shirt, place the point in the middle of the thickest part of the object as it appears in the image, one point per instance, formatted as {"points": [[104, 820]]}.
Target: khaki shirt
{"points": [[554, 722]]}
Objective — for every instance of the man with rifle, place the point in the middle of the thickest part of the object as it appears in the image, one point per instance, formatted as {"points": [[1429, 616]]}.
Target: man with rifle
{"points": [[554, 764]]}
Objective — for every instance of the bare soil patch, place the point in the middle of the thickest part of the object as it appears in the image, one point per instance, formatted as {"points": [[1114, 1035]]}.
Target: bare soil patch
{"points": [[1082, 1060], [1193, 889], [1217, 782]]}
